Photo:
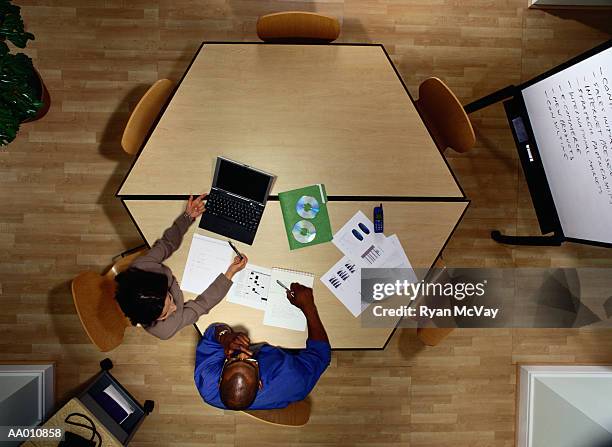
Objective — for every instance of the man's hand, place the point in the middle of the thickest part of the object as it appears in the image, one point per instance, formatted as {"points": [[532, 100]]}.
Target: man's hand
{"points": [[235, 341], [236, 266], [195, 207], [301, 297]]}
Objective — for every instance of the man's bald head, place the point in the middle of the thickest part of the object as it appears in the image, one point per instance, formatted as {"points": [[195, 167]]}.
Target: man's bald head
{"points": [[239, 384]]}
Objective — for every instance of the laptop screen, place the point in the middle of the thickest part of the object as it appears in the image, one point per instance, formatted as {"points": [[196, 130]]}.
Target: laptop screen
{"points": [[242, 180]]}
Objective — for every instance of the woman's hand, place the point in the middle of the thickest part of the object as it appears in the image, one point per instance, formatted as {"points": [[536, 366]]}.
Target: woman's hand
{"points": [[236, 265], [195, 207]]}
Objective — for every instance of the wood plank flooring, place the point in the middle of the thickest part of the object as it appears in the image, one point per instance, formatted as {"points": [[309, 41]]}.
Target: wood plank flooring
{"points": [[58, 214]]}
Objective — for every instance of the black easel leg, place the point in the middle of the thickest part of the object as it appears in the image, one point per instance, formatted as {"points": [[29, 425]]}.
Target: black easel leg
{"points": [[551, 241], [490, 99]]}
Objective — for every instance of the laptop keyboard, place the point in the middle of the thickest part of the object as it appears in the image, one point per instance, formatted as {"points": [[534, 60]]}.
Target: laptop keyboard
{"points": [[235, 210]]}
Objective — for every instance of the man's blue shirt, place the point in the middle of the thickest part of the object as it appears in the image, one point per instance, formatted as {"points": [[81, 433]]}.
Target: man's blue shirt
{"points": [[286, 376]]}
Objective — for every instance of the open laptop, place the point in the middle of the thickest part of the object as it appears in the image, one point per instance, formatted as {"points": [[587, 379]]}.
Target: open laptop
{"points": [[236, 201]]}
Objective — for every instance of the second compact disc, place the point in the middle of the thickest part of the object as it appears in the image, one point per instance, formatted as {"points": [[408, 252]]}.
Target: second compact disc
{"points": [[304, 231], [307, 207]]}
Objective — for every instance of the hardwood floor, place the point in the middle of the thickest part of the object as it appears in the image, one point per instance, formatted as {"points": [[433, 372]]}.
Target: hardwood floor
{"points": [[59, 215]]}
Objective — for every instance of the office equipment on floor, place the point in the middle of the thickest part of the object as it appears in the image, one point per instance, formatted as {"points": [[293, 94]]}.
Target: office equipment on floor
{"points": [[208, 257], [279, 311], [297, 27], [94, 299], [144, 115], [236, 200], [112, 433], [251, 287], [562, 126], [444, 116], [305, 216]]}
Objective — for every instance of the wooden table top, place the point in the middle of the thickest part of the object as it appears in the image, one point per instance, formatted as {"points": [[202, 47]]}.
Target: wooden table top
{"points": [[422, 227], [306, 113]]}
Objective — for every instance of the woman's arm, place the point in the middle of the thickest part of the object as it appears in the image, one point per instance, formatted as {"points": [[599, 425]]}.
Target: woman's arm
{"points": [[173, 236]]}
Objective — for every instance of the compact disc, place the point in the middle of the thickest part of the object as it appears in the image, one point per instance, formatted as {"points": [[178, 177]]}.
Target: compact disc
{"points": [[307, 207], [304, 231]]}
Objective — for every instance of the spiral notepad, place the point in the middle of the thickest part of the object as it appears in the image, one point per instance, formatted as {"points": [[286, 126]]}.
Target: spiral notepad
{"points": [[279, 311]]}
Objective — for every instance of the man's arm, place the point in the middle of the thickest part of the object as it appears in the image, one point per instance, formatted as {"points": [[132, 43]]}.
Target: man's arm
{"points": [[303, 298], [316, 357]]}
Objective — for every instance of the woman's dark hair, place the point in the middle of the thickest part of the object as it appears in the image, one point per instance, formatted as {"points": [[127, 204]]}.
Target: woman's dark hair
{"points": [[141, 295]]}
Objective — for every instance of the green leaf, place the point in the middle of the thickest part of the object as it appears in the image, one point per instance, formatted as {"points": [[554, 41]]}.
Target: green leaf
{"points": [[18, 94], [9, 126], [11, 25]]}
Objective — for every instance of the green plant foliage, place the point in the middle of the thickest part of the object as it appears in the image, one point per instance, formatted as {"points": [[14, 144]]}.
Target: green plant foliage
{"points": [[11, 25], [19, 89]]}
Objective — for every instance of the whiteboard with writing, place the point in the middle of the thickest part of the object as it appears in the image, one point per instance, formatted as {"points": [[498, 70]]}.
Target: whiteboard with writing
{"points": [[571, 116]]}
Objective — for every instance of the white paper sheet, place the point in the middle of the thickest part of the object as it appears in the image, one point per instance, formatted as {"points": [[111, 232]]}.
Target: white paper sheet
{"points": [[207, 258], [357, 240], [112, 392], [344, 278], [251, 287], [344, 281], [279, 311]]}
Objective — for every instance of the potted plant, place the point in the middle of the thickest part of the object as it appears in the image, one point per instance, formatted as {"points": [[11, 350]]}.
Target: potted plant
{"points": [[23, 95]]}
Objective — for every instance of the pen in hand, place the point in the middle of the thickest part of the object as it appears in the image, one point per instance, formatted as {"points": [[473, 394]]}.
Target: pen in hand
{"points": [[234, 248], [286, 288]]}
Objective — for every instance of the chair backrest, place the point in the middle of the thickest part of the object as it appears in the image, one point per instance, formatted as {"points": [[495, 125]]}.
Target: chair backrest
{"points": [[99, 312], [298, 27], [444, 116], [294, 414], [144, 115]]}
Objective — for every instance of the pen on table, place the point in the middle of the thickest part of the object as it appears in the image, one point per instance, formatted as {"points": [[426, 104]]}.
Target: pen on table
{"points": [[286, 288], [234, 248]]}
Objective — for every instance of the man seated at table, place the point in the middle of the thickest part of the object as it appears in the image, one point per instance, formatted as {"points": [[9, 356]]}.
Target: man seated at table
{"points": [[149, 294], [232, 373]]}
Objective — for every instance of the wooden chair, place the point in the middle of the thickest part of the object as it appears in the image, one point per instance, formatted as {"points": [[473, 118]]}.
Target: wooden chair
{"points": [[297, 27], [431, 335], [444, 116], [294, 415], [145, 113], [99, 312]]}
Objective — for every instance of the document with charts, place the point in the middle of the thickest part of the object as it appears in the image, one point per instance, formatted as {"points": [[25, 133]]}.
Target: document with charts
{"points": [[357, 240], [207, 258], [362, 248], [251, 287], [279, 311]]}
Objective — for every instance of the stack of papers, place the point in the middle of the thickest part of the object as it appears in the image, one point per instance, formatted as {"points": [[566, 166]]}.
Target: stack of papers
{"points": [[362, 248], [254, 287]]}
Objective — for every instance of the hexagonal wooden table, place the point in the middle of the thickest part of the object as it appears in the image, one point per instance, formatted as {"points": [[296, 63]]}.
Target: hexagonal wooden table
{"points": [[333, 114]]}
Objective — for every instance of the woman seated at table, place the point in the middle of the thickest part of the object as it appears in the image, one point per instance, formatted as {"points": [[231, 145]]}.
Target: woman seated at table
{"points": [[150, 296]]}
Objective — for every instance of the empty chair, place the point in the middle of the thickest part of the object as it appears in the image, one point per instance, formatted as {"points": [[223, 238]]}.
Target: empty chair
{"points": [[99, 312], [444, 116], [144, 115], [295, 414], [297, 27]]}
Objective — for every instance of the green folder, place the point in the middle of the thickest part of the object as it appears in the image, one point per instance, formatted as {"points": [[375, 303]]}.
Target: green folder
{"points": [[320, 221]]}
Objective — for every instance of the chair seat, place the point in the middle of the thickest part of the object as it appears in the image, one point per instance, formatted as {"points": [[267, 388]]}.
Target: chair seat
{"points": [[295, 414], [100, 314]]}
